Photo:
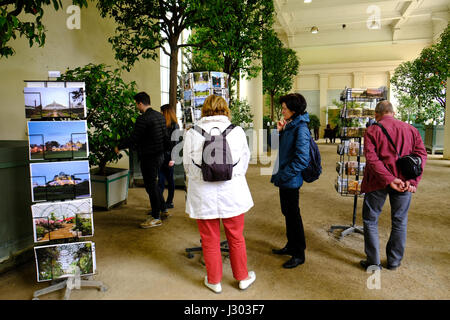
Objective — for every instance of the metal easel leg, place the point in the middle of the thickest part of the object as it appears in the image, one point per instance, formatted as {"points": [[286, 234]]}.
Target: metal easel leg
{"points": [[74, 282]]}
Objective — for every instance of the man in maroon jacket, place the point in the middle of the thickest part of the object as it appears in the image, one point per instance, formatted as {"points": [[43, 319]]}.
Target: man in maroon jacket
{"points": [[381, 177]]}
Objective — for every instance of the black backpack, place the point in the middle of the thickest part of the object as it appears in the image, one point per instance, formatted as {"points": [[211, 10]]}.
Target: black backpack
{"points": [[314, 169], [217, 163]]}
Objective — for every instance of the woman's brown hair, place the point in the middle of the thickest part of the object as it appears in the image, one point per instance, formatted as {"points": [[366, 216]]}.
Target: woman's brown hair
{"points": [[215, 106], [169, 114]]}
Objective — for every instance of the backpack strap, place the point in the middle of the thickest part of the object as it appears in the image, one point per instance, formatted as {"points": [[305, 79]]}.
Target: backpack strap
{"points": [[228, 130], [388, 136], [202, 132]]}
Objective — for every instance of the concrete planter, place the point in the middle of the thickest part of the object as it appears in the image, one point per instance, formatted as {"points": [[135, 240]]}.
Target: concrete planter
{"points": [[109, 190]]}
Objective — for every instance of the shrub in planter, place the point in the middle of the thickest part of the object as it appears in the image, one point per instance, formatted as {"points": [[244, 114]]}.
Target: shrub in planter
{"points": [[111, 110]]}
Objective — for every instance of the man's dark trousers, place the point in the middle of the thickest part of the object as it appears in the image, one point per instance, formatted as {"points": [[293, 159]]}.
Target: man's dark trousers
{"points": [[150, 165], [372, 207], [289, 200]]}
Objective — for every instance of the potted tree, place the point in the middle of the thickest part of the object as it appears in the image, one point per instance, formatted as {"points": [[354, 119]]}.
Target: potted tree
{"points": [[314, 124], [111, 114]]}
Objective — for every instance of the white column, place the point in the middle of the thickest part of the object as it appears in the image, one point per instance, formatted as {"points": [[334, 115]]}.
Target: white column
{"points": [[447, 124], [323, 102], [358, 79], [252, 90]]}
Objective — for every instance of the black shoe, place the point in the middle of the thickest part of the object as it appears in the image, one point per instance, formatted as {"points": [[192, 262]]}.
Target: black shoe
{"points": [[365, 264], [283, 251], [169, 205], [392, 268], [293, 262]]}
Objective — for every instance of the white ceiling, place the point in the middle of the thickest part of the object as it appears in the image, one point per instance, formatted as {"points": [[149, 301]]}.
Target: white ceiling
{"points": [[399, 21]]}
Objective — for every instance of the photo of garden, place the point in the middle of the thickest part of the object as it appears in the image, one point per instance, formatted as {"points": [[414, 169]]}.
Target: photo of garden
{"points": [[51, 181], [58, 140], [61, 220], [54, 102], [62, 260], [201, 81]]}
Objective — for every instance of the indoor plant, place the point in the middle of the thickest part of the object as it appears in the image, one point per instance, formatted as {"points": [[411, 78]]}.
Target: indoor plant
{"points": [[111, 114]]}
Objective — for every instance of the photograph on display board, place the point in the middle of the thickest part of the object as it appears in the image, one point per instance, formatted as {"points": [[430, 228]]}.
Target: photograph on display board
{"points": [[216, 79], [187, 98], [224, 80], [62, 260], [201, 81], [188, 115], [54, 102], [217, 92], [62, 220], [187, 81], [58, 140], [51, 181], [199, 101], [197, 114]]}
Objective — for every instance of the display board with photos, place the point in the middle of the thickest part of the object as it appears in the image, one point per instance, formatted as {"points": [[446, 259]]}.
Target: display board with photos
{"points": [[62, 260], [54, 99], [62, 220], [57, 133], [49, 140], [197, 86], [53, 181]]}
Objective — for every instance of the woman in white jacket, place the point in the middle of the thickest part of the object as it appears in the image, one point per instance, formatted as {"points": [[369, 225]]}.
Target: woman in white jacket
{"points": [[210, 202]]}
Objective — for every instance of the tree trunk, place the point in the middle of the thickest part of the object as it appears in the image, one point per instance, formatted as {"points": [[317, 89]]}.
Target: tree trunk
{"points": [[271, 106], [173, 76]]}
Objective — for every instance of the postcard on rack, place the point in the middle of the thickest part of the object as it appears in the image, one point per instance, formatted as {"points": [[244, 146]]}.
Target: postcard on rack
{"points": [[62, 220], [55, 102], [58, 140], [62, 260], [52, 181]]}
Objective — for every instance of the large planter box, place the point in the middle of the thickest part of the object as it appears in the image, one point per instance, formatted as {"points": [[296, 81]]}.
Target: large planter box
{"points": [[110, 190], [434, 138], [16, 228], [421, 129]]}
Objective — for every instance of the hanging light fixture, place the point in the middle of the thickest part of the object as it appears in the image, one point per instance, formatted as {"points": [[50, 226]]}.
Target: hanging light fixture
{"points": [[307, 1], [314, 29]]}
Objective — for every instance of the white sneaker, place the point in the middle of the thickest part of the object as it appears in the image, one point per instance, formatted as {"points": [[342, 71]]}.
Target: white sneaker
{"points": [[217, 288], [151, 222], [244, 284]]}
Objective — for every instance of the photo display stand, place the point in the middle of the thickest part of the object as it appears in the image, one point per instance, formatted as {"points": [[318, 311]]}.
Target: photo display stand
{"points": [[62, 210], [356, 115], [197, 86]]}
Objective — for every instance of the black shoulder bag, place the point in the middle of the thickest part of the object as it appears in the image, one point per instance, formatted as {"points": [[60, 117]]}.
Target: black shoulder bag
{"points": [[410, 165]]}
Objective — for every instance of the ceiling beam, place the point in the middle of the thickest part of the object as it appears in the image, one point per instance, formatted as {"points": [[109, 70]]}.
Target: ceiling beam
{"points": [[405, 13], [290, 6], [284, 20]]}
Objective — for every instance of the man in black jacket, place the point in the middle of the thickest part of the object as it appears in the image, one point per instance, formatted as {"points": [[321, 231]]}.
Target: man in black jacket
{"points": [[150, 140]]}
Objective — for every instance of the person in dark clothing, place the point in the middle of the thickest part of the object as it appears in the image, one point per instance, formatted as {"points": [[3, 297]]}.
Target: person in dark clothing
{"points": [[293, 158], [167, 168], [149, 138]]}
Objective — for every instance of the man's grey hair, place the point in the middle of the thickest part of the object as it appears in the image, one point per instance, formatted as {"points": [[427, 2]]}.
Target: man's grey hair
{"points": [[384, 107]]}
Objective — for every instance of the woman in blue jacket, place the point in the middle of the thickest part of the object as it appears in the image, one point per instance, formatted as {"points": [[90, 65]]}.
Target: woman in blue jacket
{"points": [[293, 158]]}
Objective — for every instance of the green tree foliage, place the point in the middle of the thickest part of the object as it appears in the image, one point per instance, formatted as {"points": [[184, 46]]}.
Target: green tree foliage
{"points": [[110, 107], [12, 26], [232, 35], [407, 107], [240, 112], [314, 122], [280, 66], [424, 80], [143, 26]]}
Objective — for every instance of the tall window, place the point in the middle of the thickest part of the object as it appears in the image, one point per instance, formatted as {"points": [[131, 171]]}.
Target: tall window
{"points": [[165, 70]]}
